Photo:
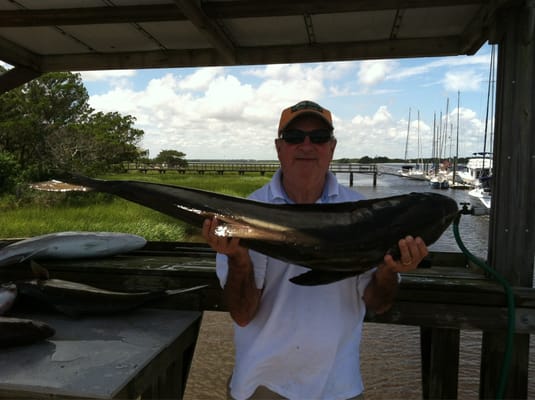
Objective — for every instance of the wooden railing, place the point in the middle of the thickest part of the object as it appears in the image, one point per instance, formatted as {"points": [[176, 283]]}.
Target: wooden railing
{"points": [[219, 168]]}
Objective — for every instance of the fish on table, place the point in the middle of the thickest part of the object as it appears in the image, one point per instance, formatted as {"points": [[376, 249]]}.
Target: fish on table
{"points": [[335, 241], [70, 245], [22, 331], [77, 299]]}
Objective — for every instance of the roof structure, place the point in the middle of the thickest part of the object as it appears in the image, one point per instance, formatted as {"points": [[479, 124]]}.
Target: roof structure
{"points": [[74, 35]]}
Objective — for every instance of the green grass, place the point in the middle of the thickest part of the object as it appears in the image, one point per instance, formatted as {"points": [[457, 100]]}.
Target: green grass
{"points": [[37, 213]]}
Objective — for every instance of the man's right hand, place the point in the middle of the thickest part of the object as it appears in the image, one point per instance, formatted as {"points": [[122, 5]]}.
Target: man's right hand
{"points": [[230, 246]]}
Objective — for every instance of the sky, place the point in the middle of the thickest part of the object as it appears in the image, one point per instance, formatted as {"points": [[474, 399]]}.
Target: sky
{"points": [[228, 113]]}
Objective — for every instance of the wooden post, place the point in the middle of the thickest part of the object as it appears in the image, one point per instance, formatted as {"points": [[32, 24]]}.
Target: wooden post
{"points": [[440, 362], [351, 179], [512, 220]]}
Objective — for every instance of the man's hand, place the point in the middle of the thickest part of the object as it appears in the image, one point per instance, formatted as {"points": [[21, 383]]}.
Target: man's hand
{"points": [[412, 251], [241, 294], [381, 291], [224, 245]]}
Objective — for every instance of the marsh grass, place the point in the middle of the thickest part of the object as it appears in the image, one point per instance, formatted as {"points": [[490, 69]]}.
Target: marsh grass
{"points": [[36, 213]]}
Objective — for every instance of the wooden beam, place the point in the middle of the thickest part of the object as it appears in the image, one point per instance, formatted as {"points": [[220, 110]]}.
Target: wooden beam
{"points": [[90, 15], [440, 362], [210, 29], [275, 8], [16, 55], [255, 56], [512, 220], [15, 77], [212, 9]]}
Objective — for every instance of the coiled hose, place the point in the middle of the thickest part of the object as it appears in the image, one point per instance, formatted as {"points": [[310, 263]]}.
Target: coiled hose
{"points": [[506, 363]]}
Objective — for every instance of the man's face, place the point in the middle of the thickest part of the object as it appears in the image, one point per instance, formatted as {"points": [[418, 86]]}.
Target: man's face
{"points": [[305, 159]]}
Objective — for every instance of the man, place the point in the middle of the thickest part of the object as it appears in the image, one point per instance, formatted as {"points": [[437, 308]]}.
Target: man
{"points": [[301, 342]]}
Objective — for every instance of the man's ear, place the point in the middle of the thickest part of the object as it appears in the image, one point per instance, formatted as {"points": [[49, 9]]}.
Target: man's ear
{"points": [[277, 145], [333, 145]]}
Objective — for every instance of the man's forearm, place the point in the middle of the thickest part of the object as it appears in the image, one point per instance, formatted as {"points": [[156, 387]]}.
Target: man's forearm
{"points": [[241, 294], [381, 292]]}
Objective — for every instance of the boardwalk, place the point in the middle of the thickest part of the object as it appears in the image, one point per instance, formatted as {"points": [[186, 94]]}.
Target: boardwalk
{"points": [[219, 168]]}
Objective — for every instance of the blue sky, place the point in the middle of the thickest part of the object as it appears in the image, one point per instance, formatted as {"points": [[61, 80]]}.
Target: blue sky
{"points": [[233, 112]]}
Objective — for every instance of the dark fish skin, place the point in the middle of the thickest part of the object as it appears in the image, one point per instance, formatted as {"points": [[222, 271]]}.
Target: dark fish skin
{"points": [[334, 240], [21, 331], [76, 299]]}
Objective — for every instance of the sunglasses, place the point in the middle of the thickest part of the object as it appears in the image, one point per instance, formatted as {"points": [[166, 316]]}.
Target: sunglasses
{"points": [[296, 136]]}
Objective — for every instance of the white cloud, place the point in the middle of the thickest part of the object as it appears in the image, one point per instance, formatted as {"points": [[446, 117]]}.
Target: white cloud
{"points": [[372, 72], [200, 79], [233, 112], [464, 80], [93, 76]]}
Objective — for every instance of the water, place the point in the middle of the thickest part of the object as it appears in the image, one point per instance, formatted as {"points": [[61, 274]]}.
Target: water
{"points": [[391, 353]]}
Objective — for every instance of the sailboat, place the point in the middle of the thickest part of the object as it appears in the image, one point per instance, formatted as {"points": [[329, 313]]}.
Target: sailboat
{"points": [[455, 180], [480, 167], [437, 176], [411, 171]]}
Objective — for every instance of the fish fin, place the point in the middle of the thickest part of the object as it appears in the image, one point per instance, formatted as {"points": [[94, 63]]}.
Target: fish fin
{"points": [[184, 290], [39, 271], [315, 277]]}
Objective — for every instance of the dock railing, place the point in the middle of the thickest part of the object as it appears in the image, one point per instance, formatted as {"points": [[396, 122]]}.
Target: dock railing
{"points": [[261, 167]]}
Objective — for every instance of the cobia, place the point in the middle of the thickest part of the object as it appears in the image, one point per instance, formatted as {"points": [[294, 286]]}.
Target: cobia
{"points": [[335, 241]]}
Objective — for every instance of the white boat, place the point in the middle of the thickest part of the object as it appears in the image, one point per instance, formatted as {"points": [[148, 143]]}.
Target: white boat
{"points": [[476, 168], [483, 196], [483, 192], [439, 181], [412, 172]]}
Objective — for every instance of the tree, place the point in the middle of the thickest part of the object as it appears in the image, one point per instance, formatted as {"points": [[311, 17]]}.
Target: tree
{"points": [[103, 142], [173, 158], [31, 114], [9, 170], [48, 124]]}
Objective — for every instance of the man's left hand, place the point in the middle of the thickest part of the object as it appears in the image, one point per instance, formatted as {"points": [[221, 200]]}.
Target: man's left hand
{"points": [[412, 253]]}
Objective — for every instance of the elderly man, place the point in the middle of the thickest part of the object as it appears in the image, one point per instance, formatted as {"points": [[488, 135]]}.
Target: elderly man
{"points": [[301, 342]]}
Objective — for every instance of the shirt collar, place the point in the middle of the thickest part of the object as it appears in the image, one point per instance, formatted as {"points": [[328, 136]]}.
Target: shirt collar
{"points": [[278, 194]]}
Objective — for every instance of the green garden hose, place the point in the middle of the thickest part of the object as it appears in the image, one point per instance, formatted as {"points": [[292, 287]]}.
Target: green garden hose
{"points": [[506, 363]]}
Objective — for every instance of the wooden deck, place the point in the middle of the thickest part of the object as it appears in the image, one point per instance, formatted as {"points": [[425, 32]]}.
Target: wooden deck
{"points": [[444, 299]]}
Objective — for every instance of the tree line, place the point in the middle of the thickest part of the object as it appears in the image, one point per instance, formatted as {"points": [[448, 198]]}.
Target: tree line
{"points": [[48, 125]]}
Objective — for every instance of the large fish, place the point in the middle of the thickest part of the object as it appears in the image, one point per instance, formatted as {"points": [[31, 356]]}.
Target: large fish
{"points": [[70, 245], [22, 331], [76, 299], [334, 240]]}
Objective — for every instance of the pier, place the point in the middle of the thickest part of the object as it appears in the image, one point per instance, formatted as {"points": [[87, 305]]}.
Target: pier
{"points": [[243, 167]]}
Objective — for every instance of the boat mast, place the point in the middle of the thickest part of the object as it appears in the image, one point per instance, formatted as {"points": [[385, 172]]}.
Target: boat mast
{"points": [[407, 139], [491, 75], [455, 160]]}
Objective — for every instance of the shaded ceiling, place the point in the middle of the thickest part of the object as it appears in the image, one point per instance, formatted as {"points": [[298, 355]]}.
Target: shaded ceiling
{"points": [[39, 36]]}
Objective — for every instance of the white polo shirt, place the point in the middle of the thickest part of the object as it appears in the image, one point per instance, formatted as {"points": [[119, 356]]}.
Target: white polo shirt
{"points": [[304, 342]]}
